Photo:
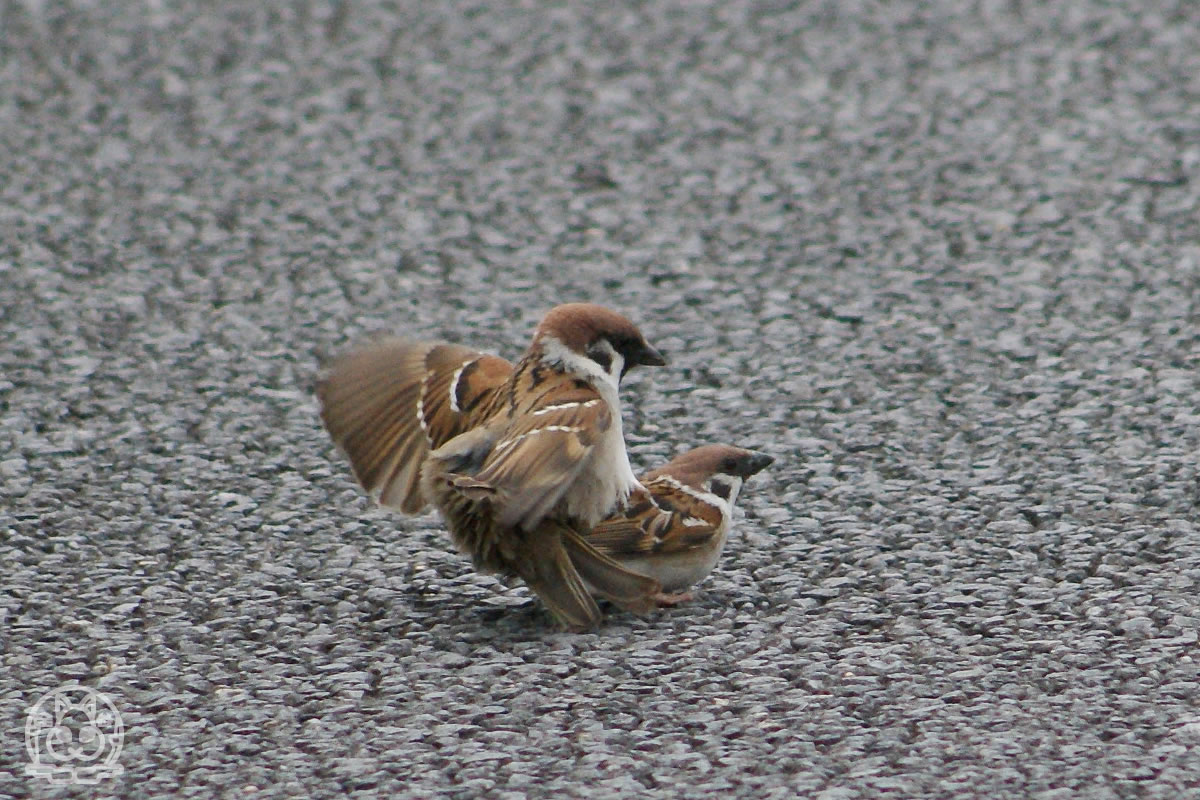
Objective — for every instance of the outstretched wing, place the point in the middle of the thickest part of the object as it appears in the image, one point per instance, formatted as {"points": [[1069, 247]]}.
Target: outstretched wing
{"points": [[541, 453], [459, 387], [387, 403]]}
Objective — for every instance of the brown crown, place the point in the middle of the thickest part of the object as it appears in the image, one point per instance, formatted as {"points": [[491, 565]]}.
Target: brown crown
{"points": [[578, 325], [696, 466]]}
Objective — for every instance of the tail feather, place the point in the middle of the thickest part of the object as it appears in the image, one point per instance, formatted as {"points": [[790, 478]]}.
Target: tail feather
{"points": [[553, 578], [608, 578]]}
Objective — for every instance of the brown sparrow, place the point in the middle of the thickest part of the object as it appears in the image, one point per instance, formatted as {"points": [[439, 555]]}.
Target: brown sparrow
{"points": [[517, 458], [675, 527]]}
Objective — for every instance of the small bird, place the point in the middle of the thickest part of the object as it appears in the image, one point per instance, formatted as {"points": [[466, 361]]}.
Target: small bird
{"points": [[517, 458], [675, 526]]}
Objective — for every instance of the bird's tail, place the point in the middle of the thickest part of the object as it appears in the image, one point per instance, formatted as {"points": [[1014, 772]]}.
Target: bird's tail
{"points": [[609, 579], [552, 577]]}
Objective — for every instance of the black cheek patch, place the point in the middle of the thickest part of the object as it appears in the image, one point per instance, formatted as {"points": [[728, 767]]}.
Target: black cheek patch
{"points": [[721, 489], [601, 357]]}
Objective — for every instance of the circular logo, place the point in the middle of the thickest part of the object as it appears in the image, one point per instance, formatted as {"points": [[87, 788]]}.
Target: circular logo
{"points": [[74, 734]]}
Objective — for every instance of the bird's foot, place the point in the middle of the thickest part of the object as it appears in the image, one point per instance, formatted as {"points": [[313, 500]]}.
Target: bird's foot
{"points": [[668, 599]]}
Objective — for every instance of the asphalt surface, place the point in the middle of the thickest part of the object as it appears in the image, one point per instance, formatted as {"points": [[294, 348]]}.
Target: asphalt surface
{"points": [[940, 259]]}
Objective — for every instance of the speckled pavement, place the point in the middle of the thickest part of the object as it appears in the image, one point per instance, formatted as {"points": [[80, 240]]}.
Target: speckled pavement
{"points": [[940, 259]]}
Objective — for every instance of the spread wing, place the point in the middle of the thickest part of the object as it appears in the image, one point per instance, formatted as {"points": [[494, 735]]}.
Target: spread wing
{"points": [[666, 520], [458, 389], [388, 402], [541, 453]]}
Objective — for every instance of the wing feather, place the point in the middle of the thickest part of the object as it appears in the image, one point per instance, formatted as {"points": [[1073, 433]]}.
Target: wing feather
{"points": [[670, 521], [458, 383], [540, 455], [368, 404], [387, 402]]}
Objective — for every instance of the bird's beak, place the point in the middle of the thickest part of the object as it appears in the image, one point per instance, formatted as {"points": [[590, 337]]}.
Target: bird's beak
{"points": [[757, 462], [647, 356]]}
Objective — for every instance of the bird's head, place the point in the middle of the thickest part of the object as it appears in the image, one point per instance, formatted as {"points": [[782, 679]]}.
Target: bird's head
{"points": [[593, 342]]}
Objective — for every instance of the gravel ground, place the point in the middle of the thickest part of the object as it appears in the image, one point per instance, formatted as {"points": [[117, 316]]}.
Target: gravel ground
{"points": [[942, 263]]}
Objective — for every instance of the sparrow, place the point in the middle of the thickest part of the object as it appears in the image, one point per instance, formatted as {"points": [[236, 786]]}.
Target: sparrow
{"points": [[517, 458], [676, 524]]}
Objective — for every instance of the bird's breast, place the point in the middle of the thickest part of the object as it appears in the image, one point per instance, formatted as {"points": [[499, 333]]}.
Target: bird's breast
{"points": [[605, 483]]}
